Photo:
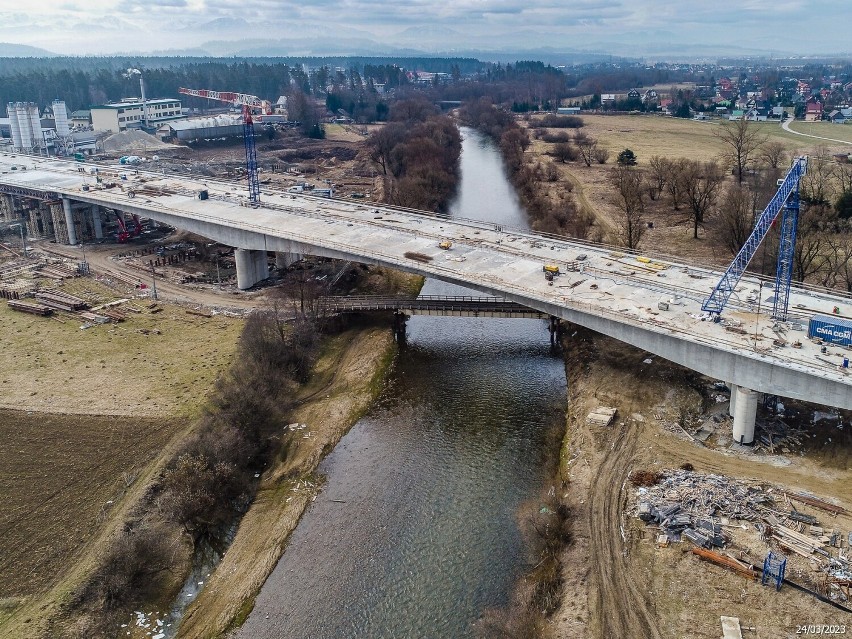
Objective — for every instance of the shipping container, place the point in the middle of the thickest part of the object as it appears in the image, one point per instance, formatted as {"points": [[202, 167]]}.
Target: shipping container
{"points": [[836, 330]]}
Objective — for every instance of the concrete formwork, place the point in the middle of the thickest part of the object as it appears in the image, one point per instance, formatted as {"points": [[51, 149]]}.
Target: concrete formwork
{"points": [[60, 228]]}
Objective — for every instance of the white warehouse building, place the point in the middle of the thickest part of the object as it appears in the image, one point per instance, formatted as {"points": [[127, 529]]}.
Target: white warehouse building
{"points": [[119, 116]]}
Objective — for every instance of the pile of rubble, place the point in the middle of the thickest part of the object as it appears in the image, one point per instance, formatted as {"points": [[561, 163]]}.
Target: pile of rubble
{"points": [[686, 505]]}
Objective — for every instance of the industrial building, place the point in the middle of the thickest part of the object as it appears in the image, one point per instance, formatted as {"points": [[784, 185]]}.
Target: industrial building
{"points": [[50, 135], [220, 126], [131, 113], [25, 127]]}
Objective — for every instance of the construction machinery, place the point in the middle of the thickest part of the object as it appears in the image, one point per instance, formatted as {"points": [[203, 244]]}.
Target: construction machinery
{"points": [[125, 233], [786, 198], [247, 102]]}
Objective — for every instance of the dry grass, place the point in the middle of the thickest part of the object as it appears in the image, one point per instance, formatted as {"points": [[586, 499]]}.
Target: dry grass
{"points": [[342, 133], [53, 366], [649, 135]]}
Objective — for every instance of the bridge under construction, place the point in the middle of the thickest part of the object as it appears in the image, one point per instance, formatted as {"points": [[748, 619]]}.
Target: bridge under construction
{"points": [[649, 301]]}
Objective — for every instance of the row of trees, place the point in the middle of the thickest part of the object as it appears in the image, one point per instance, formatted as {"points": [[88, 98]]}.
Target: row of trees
{"points": [[417, 153], [82, 82], [550, 211]]}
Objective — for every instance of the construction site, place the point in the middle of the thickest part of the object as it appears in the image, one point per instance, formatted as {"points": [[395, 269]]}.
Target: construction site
{"points": [[676, 485]]}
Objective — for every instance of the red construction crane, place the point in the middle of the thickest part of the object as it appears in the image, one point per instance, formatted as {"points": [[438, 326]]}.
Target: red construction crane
{"points": [[247, 102]]}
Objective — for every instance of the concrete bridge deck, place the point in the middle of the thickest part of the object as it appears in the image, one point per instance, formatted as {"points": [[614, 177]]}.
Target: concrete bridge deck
{"points": [[604, 289]]}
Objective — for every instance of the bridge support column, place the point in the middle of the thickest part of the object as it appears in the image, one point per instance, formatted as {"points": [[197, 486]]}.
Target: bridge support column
{"points": [[261, 265], [733, 404], [399, 320], [283, 260], [69, 221], [251, 267], [745, 413], [555, 329], [96, 221]]}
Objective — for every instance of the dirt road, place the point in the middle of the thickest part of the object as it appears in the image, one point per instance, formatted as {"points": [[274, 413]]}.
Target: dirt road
{"points": [[618, 601]]}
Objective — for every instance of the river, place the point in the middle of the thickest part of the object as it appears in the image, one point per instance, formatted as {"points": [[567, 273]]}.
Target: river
{"points": [[416, 532]]}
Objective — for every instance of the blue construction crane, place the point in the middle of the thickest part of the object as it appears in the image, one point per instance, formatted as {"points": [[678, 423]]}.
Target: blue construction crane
{"points": [[251, 156], [787, 197]]}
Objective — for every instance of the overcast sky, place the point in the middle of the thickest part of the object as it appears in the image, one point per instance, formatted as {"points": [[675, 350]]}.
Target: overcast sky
{"points": [[106, 26]]}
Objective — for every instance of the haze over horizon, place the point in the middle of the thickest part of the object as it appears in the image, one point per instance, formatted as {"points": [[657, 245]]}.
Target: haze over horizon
{"points": [[636, 28]]}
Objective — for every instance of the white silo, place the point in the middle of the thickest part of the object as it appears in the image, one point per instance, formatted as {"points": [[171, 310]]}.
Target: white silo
{"points": [[11, 111], [25, 125], [35, 124], [60, 114]]}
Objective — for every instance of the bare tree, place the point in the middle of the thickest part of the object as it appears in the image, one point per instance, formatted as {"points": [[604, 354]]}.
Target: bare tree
{"points": [[601, 155], [565, 152], [774, 155], [699, 184], [587, 146], [629, 198], [843, 172], [811, 241], [742, 141], [382, 142], [736, 217], [658, 172], [838, 258], [673, 185], [818, 184]]}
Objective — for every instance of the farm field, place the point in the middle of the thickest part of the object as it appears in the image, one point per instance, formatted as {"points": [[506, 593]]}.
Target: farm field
{"points": [[63, 477]]}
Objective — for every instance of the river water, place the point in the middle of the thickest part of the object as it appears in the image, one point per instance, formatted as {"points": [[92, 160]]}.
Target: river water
{"points": [[416, 532]]}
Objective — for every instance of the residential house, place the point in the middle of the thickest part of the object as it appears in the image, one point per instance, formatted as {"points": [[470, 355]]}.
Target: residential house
{"points": [[813, 110], [836, 117]]}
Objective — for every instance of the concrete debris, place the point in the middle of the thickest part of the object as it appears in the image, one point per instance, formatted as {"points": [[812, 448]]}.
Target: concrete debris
{"points": [[697, 507]]}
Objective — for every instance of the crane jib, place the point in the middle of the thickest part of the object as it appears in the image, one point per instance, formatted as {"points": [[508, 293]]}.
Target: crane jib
{"points": [[788, 187]]}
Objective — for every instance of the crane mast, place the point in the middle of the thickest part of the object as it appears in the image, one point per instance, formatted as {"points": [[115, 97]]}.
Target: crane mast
{"points": [[247, 102]]}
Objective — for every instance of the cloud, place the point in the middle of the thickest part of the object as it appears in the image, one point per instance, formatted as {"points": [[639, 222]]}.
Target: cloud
{"points": [[808, 24]]}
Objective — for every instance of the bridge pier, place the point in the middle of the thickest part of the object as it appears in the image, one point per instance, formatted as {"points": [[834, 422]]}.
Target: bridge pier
{"points": [[283, 260], [69, 221], [252, 267], [399, 320], [96, 221], [744, 402], [555, 328], [733, 403]]}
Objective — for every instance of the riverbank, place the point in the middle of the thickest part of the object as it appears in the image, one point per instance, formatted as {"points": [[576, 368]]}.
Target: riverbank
{"points": [[347, 377]]}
